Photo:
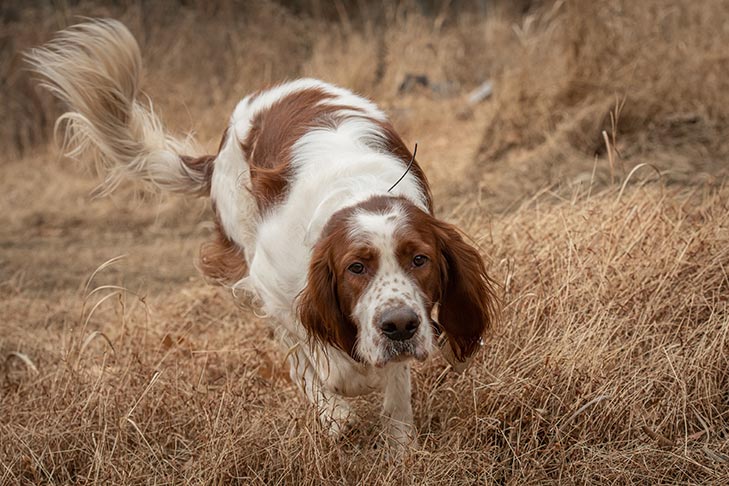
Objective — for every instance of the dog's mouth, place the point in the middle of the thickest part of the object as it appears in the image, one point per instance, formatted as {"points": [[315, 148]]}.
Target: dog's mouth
{"points": [[399, 351]]}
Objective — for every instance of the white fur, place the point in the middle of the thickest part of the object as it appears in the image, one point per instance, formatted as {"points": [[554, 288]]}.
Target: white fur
{"points": [[230, 187]]}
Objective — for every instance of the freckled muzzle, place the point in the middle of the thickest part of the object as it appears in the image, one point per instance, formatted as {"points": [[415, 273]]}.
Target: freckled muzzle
{"points": [[399, 334]]}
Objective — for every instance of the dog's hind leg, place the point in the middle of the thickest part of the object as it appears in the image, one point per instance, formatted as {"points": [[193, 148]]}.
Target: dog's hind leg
{"points": [[226, 257]]}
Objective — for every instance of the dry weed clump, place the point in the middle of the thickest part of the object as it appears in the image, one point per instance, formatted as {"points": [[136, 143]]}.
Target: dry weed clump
{"points": [[651, 74], [610, 365]]}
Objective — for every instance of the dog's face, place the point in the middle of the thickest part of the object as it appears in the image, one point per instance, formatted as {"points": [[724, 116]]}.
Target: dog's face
{"points": [[377, 272]]}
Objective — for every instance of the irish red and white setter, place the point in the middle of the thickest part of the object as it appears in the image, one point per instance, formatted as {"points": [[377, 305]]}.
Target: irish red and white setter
{"points": [[357, 277]]}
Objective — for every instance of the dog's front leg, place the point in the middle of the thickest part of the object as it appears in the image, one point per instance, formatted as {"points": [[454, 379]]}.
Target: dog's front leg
{"points": [[397, 410], [334, 413]]}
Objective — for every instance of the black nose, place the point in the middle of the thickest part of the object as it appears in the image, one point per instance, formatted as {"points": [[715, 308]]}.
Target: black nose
{"points": [[399, 324]]}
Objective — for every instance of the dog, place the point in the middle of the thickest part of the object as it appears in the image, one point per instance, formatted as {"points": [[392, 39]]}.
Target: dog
{"points": [[322, 214]]}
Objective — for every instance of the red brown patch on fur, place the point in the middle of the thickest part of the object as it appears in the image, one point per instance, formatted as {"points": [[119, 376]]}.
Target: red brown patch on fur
{"points": [[273, 133], [468, 302], [201, 168], [395, 145], [320, 303], [220, 259]]}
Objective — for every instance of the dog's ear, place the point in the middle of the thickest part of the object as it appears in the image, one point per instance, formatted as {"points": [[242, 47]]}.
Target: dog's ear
{"points": [[468, 303], [318, 304]]}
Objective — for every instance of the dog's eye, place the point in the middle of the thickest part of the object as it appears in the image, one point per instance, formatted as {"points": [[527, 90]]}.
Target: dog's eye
{"points": [[419, 260], [356, 268]]}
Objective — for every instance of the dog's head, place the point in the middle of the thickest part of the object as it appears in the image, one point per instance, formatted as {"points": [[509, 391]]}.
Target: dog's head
{"points": [[376, 274]]}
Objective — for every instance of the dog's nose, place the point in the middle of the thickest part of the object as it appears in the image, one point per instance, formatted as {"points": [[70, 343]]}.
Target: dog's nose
{"points": [[399, 324]]}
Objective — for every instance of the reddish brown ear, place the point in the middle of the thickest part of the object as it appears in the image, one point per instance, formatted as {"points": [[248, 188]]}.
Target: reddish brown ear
{"points": [[468, 302], [319, 308]]}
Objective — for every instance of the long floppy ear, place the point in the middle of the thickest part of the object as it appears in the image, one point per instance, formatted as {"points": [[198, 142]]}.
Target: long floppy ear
{"points": [[318, 305], [468, 302]]}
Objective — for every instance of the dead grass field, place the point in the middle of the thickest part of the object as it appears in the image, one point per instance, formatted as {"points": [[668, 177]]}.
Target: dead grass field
{"points": [[611, 361]]}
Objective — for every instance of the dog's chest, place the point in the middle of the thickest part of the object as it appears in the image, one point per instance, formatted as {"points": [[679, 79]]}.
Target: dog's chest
{"points": [[345, 377]]}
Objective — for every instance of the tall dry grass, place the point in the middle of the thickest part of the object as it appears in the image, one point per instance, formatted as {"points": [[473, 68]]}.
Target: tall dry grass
{"points": [[610, 363]]}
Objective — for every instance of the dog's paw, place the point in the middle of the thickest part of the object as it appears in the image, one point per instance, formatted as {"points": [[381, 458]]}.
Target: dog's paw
{"points": [[337, 418], [397, 448], [400, 440]]}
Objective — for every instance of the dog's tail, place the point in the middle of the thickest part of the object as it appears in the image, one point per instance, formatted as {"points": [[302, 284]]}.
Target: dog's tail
{"points": [[95, 68]]}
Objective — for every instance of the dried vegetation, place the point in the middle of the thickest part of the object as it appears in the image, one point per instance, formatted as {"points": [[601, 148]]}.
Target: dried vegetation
{"points": [[611, 362]]}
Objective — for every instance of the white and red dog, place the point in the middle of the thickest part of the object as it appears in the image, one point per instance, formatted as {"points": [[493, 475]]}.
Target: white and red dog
{"points": [[350, 269]]}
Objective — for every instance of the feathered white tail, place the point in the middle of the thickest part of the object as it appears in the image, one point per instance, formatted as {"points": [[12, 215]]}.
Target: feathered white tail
{"points": [[95, 67]]}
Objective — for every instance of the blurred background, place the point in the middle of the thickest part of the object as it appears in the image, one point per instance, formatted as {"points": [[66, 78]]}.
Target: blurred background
{"points": [[652, 74]]}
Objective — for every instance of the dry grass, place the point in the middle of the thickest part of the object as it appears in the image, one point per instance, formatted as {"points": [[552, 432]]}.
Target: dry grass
{"points": [[611, 361], [651, 74]]}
